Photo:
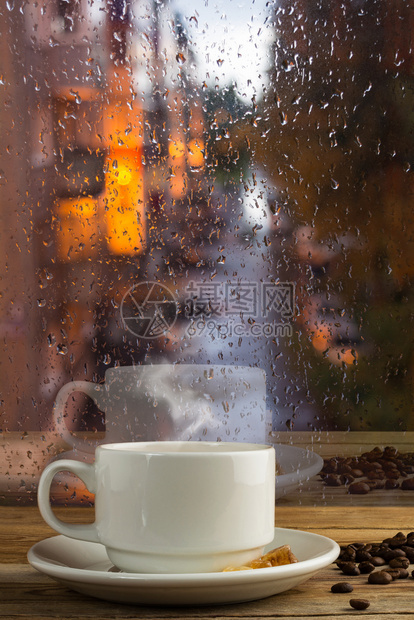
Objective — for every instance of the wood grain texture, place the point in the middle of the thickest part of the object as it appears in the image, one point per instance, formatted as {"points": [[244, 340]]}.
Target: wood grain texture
{"points": [[27, 594]]}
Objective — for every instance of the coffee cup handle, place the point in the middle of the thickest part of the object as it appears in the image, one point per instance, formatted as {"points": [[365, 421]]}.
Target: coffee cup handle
{"points": [[93, 390], [86, 473]]}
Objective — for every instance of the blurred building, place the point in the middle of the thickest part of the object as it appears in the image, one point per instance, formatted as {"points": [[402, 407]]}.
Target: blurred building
{"points": [[84, 166], [339, 126]]}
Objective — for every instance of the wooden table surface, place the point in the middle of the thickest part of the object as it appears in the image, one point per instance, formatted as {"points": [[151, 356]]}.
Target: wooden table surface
{"points": [[26, 593]]}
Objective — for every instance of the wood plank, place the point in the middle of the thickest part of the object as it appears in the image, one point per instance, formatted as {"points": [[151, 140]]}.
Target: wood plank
{"points": [[342, 443], [14, 518], [22, 527], [313, 599]]}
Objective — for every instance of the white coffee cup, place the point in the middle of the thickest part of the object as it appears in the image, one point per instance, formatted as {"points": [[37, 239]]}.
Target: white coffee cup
{"points": [[174, 507]]}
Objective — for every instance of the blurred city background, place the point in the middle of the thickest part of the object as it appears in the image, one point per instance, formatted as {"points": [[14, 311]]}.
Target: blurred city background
{"points": [[217, 150]]}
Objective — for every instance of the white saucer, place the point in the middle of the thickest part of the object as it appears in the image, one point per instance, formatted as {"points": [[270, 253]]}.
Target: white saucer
{"points": [[298, 466], [84, 566]]}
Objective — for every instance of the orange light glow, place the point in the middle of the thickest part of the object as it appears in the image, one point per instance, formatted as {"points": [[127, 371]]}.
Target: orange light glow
{"points": [[78, 227], [177, 151], [340, 356], [196, 153], [321, 338], [178, 181], [123, 176], [176, 148], [124, 203], [349, 356], [79, 207]]}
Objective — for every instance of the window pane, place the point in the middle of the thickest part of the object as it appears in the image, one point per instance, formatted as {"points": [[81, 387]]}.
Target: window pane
{"points": [[227, 183]]}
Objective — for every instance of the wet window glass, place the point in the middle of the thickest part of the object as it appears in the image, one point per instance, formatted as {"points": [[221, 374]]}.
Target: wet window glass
{"points": [[208, 186]]}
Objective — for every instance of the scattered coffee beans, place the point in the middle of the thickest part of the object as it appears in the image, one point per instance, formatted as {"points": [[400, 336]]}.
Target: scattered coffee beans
{"points": [[359, 603], [378, 469], [394, 554]]}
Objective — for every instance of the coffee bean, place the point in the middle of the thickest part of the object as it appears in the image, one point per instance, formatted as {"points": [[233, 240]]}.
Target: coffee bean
{"points": [[408, 484], [348, 553], [375, 474], [332, 480], [350, 568], [346, 479], [396, 541], [399, 563], [373, 454], [374, 549], [392, 554], [357, 473], [359, 603], [342, 587], [377, 561], [409, 552], [380, 578], [403, 573], [366, 567], [330, 466], [359, 488], [363, 556], [392, 484], [393, 474], [344, 468], [394, 572], [390, 451]]}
